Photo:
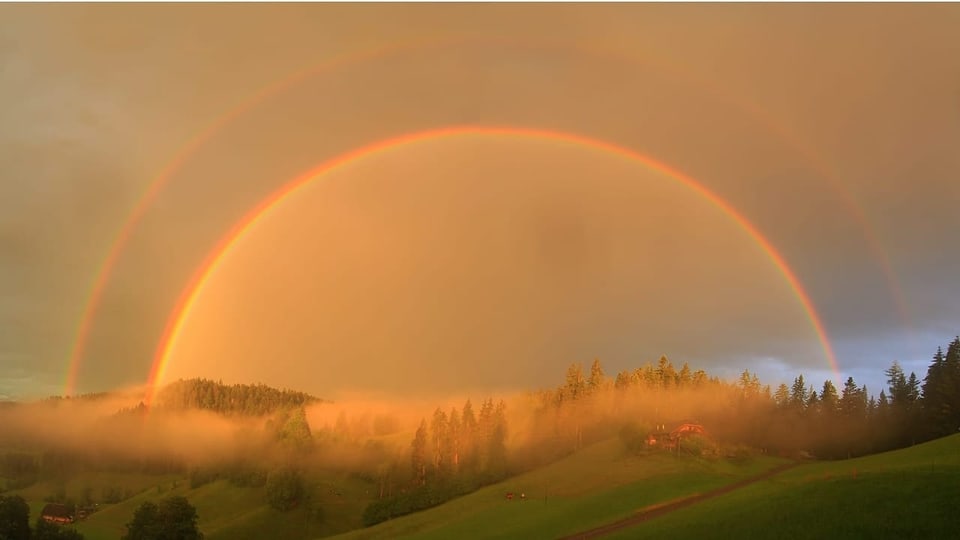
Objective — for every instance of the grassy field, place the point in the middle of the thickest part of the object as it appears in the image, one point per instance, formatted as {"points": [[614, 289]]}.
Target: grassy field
{"points": [[909, 493], [226, 511], [592, 487]]}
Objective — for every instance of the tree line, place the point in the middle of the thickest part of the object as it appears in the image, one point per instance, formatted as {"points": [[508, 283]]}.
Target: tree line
{"points": [[236, 399], [456, 453]]}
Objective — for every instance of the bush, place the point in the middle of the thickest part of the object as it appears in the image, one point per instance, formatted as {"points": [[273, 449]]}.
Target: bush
{"points": [[739, 454], [420, 498], [634, 437], [43, 530], [200, 477], [284, 489], [246, 477], [173, 517], [113, 494]]}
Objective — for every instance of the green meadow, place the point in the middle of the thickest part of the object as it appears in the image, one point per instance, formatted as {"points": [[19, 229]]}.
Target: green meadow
{"points": [[597, 485], [908, 493], [231, 512]]}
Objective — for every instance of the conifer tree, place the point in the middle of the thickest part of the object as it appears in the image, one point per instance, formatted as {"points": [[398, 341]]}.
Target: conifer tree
{"points": [[782, 396], [798, 394], [597, 377], [829, 400], [418, 455]]}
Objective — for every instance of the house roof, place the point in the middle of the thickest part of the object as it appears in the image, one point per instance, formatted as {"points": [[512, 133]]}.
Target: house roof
{"points": [[55, 510]]}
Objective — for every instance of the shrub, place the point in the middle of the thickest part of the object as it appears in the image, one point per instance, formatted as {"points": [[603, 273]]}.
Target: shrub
{"points": [[284, 488]]}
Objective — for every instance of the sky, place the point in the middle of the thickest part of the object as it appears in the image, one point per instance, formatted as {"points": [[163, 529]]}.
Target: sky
{"points": [[472, 261]]}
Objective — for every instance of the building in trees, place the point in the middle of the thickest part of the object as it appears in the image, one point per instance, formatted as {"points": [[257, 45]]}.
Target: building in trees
{"points": [[57, 513]]}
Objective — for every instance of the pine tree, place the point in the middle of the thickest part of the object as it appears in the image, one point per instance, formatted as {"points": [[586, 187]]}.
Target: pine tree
{"points": [[798, 394], [941, 391], [453, 439], [498, 450], [829, 400], [852, 404], [699, 378], [782, 396], [575, 385], [899, 389], [484, 433], [623, 380], [913, 390], [666, 374], [438, 432], [813, 402], [597, 377], [418, 455], [468, 435], [685, 377]]}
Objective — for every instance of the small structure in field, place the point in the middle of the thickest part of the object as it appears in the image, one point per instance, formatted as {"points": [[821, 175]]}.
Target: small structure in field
{"points": [[671, 440], [56, 513]]}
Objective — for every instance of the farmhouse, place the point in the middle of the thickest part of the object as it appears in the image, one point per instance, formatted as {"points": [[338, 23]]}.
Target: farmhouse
{"points": [[56, 513]]}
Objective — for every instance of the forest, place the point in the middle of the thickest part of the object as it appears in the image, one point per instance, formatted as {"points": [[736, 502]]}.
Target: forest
{"points": [[278, 440]]}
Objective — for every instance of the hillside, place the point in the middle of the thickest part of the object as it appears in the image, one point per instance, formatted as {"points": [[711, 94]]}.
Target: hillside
{"points": [[593, 486], [228, 511], [908, 493]]}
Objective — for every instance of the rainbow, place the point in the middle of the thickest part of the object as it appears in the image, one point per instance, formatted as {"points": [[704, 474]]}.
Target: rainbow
{"points": [[156, 186], [203, 273]]}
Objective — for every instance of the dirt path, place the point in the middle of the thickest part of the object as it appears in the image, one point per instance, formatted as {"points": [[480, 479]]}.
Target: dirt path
{"points": [[666, 508]]}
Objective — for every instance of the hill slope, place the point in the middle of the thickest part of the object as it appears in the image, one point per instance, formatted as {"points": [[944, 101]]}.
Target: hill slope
{"points": [[589, 488], [908, 493]]}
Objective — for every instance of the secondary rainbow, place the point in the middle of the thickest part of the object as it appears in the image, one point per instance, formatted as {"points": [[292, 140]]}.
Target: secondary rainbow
{"points": [[190, 294], [118, 246], [157, 185]]}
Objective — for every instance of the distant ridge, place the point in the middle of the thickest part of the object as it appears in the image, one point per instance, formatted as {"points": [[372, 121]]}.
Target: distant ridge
{"points": [[236, 399]]}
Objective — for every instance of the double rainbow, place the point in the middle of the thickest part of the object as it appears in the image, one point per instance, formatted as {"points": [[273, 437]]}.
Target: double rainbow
{"points": [[189, 294]]}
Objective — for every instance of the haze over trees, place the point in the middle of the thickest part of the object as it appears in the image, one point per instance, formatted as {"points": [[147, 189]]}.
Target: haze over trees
{"points": [[273, 440], [240, 399]]}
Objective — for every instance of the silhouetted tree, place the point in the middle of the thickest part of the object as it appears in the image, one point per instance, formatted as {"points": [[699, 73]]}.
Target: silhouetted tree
{"points": [[439, 436], [798, 395], [174, 518], [597, 377], [284, 488], [14, 518], [418, 456], [575, 385], [782, 396]]}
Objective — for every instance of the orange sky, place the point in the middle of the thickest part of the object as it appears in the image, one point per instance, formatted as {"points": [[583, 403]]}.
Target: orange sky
{"points": [[98, 99]]}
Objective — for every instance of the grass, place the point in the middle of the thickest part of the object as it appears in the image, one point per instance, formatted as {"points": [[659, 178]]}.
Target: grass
{"points": [[229, 512], [225, 511], [908, 493], [592, 487]]}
